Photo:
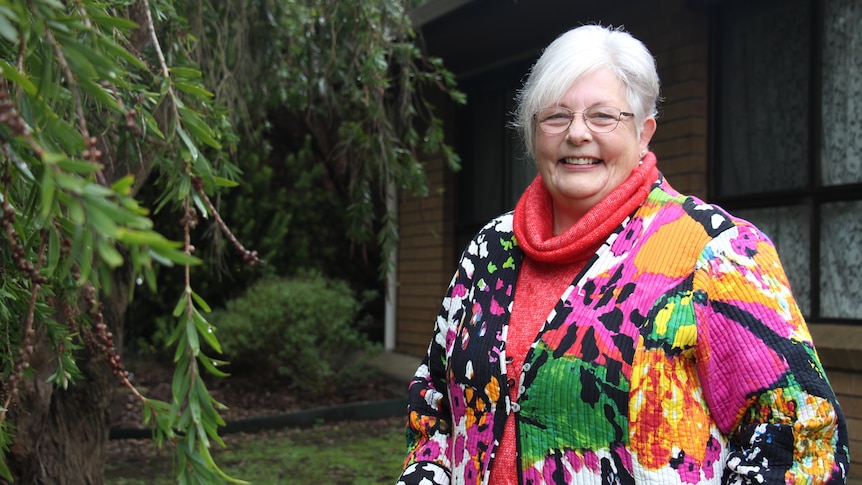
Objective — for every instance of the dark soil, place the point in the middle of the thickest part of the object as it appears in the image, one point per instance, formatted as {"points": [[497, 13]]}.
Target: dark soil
{"points": [[246, 396], [249, 395]]}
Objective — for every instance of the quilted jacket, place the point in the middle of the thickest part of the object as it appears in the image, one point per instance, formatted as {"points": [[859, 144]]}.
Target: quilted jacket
{"points": [[677, 355]]}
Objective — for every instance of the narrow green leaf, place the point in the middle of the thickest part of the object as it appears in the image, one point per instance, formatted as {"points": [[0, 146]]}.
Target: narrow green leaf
{"points": [[180, 384], [223, 182], [201, 302], [100, 94], [68, 137], [201, 205], [53, 251], [185, 72], [198, 128], [181, 306], [113, 22], [152, 125], [119, 51], [192, 335], [173, 256], [193, 89], [211, 365], [80, 61], [109, 254], [100, 222], [78, 166], [84, 250], [206, 331], [151, 239], [193, 149], [10, 33], [12, 74], [48, 191], [124, 185]]}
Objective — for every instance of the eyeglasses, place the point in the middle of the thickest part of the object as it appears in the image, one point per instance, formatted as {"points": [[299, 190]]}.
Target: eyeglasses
{"points": [[599, 119]]}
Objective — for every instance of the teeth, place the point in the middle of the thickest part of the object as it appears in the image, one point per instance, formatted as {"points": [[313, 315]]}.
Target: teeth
{"points": [[580, 161]]}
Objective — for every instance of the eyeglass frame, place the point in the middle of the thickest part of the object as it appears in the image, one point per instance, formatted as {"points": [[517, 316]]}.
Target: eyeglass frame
{"points": [[583, 114]]}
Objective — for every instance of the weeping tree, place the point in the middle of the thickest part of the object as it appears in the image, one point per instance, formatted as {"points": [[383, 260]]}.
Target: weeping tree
{"points": [[343, 86], [99, 100]]}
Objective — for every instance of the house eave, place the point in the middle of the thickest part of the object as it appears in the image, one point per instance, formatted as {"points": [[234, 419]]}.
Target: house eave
{"points": [[433, 10]]}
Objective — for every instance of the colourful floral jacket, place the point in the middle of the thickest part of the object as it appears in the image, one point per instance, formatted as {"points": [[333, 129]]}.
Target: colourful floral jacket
{"points": [[678, 355]]}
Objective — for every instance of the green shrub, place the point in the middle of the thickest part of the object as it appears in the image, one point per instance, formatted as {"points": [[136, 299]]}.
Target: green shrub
{"points": [[301, 329]]}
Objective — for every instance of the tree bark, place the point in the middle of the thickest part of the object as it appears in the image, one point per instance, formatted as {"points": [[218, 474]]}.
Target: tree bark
{"points": [[61, 435]]}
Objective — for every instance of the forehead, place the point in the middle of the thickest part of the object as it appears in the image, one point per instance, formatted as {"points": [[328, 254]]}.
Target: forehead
{"points": [[594, 88]]}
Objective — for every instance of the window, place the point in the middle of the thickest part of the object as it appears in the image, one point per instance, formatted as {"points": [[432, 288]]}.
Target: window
{"points": [[495, 168], [788, 146]]}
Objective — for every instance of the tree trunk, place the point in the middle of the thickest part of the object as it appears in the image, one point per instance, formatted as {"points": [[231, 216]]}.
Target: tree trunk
{"points": [[61, 435]]}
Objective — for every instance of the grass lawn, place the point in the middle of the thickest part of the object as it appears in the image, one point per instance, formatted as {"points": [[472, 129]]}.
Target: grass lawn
{"points": [[344, 453]]}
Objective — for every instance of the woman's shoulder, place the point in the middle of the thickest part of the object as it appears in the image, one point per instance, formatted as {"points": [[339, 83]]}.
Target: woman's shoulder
{"points": [[714, 219], [501, 225], [495, 240]]}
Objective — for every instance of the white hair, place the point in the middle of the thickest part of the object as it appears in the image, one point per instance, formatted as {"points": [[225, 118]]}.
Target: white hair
{"points": [[581, 51]]}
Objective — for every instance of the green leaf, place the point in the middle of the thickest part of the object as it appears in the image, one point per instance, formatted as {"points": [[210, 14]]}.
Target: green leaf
{"points": [[109, 254], [194, 342], [193, 89], [100, 222], [117, 50], [53, 251], [10, 33], [181, 306], [201, 302], [211, 365], [100, 94], [48, 191], [113, 22], [124, 185], [198, 128], [12, 74], [152, 125], [185, 72], [223, 182], [173, 256], [84, 250], [78, 166], [150, 239], [206, 331], [193, 149]]}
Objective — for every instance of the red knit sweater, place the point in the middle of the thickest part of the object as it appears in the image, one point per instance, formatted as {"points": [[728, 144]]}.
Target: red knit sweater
{"points": [[551, 264]]}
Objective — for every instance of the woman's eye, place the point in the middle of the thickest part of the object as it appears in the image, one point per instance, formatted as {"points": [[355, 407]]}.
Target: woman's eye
{"points": [[558, 118]]}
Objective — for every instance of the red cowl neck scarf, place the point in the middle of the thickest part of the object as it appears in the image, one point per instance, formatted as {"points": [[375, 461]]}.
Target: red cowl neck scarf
{"points": [[534, 218], [550, 265]]}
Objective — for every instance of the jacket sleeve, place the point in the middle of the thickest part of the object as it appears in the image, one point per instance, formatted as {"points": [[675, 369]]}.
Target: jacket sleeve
{"points": [[760, 373], [429, 423]]}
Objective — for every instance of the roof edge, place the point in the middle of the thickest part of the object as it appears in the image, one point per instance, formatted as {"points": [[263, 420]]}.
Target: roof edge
{"points": [[433, 10]]}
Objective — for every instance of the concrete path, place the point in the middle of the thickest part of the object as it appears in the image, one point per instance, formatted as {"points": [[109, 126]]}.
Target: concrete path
{"points": [[400, 367]]}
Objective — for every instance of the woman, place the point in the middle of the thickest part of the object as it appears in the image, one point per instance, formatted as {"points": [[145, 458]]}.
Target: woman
{"points": [[611, 329]]}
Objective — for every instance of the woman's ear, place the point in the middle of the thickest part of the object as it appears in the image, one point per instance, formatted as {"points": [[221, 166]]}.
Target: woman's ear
{"points": [[647, 131]]}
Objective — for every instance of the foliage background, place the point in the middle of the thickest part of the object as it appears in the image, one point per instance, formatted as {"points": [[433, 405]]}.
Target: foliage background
{"points": [[124, 129]]}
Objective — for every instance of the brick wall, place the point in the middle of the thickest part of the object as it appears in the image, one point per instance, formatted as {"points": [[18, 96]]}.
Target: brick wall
{"points": [[424, 259], [679, 39], [848, 388]]}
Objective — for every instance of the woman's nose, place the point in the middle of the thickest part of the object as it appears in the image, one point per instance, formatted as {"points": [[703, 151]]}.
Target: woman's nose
{"points": [[578, 131]]}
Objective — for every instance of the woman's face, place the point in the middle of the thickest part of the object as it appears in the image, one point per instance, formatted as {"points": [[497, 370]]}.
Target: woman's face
{"points": [[580, 167]]}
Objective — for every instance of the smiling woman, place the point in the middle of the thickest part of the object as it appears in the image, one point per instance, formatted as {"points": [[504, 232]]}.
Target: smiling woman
{"points": [[583, 163], [594, 333]]}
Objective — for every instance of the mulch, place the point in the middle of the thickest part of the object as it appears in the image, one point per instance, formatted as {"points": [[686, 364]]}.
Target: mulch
{"points": [[247, 395]]}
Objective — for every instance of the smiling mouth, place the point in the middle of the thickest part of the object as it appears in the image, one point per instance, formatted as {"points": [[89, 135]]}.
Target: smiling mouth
{"points": [[580, 161]]}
